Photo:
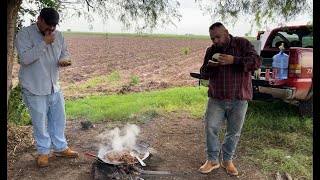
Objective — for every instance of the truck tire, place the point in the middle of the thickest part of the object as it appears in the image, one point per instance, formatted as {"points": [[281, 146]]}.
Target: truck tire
{"points": [[306, 108]]}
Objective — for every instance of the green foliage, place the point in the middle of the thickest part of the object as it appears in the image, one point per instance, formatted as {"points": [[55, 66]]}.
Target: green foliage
{"points": [[276, 116], [260, 12], [114, 76], [140, 15], [17, 110], [147, 15], [134, 79], [271, 160], [186, 51], [277, 139], [95, 81]]}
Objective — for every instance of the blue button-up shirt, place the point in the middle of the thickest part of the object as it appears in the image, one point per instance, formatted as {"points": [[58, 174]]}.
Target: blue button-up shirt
{"points": [[39, 71]]}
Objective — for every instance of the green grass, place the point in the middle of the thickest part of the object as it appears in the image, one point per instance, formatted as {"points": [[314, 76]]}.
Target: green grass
{"points": [[121, 107], [114, 76], [276, 116], [134, 79], [277, 139]]}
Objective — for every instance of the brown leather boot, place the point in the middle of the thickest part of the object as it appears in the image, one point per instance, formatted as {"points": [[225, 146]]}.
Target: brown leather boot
{"points": [[209, 166], [67, 153], [43, 160], [231, 169]]}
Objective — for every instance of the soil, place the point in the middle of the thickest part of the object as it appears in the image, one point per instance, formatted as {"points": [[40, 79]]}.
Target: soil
{"points": [[177, 142], [158, 62]]}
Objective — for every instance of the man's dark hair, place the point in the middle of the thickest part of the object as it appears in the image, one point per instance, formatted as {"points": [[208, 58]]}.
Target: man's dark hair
{"points": [[217, 24], [50, 16]]}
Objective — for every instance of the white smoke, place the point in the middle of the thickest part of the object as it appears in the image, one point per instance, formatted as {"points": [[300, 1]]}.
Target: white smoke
{"points": [[117, 139]]}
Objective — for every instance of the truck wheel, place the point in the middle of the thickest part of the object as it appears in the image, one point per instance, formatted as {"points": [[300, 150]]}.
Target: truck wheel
{"points": [[306, 108]]}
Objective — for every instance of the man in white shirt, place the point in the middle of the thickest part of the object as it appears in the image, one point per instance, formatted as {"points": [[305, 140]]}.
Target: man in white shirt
{"points": [[42, 50]]}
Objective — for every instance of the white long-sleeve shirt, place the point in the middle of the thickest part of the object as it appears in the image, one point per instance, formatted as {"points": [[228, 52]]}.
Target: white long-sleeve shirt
{"points": [[39, 71]]}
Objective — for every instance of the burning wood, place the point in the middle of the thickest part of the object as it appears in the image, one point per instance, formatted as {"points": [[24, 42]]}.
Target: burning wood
{"points": [[107, 171]]}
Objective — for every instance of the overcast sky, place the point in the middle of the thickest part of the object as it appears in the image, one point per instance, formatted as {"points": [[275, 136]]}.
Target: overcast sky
{"points": [[192, 22]]}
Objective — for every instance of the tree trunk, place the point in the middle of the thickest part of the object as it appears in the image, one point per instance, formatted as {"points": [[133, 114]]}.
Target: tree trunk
{"points": [[12, 13]]}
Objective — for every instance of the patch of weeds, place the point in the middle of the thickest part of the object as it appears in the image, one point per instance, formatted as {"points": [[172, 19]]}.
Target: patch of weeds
{"points": [[272, 160], [82, 87], [114, 76], [279, 151], [93, 82], [186, 51], [15, 82], [72, 88], [134, 79]]}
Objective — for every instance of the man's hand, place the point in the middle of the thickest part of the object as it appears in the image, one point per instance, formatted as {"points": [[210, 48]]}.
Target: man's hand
{"points": [[213, 63], [49, 37], [225, 59], [64, 63]]}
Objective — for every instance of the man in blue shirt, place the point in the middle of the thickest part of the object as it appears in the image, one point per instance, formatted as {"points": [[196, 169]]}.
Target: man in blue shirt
{"points": [[42, 50]]}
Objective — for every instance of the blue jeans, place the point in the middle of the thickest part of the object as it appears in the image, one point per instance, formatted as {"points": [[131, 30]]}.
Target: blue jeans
{"points": [[217, 111], [48, 118]]}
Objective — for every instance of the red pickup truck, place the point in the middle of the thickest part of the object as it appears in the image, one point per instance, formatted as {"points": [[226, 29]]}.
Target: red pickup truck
{"points": [[297, 89]]}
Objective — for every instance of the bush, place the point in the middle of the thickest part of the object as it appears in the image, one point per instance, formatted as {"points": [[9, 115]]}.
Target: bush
{"points": [[134, 79], [17, 110], [186, 51]]}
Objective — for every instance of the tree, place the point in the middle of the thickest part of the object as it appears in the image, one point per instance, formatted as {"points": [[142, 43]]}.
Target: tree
{"points": [[12, 13], [260, 12], [147, 14]]}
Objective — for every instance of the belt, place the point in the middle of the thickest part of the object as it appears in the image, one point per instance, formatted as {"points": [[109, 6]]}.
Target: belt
{"points": [[229, 99]]}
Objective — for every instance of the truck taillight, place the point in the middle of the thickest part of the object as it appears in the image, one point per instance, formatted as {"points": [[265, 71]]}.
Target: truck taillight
{"points": [[294, 70], [294, 64]]}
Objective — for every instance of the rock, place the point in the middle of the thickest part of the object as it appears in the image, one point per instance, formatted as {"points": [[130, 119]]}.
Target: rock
{"points": [[86, 125]]}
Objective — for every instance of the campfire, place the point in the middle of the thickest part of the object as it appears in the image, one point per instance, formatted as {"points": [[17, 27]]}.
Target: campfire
{"points": [[115, 159], [123, 172], [119, 156]]}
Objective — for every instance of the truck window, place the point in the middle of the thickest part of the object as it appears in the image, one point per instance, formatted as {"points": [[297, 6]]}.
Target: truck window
{"points": [[307, 41], [284, 37], [300, 37]]}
